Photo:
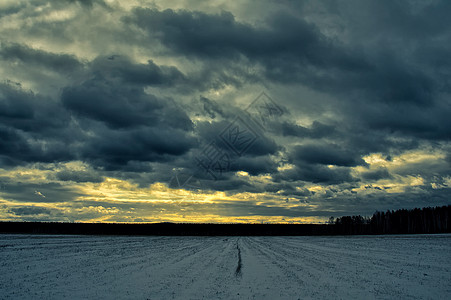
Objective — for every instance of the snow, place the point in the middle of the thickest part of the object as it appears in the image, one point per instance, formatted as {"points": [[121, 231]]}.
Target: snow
{"points": [[140, 267]]}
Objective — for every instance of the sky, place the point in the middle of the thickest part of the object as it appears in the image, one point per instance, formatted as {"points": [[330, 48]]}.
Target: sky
{"points": [[223, 111]]}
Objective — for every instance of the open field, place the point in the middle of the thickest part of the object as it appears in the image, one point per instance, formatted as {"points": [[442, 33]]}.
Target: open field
{"points": [[363, 267]]}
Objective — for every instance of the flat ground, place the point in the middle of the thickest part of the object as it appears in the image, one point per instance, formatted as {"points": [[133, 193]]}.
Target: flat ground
{"points": [[358, 267]]}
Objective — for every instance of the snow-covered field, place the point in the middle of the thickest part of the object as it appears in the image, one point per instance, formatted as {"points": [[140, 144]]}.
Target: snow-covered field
{"points": [[359, 267]]}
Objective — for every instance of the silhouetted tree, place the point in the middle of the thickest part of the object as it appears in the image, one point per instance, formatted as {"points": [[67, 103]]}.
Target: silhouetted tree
{"points": [[425, 220]]}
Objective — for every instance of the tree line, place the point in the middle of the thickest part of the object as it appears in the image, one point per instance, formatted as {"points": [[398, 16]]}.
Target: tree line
{"points": [[401, 221]]}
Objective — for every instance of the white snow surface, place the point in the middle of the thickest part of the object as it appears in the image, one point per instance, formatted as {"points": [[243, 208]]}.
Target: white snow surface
{"points": [[152, 267]]}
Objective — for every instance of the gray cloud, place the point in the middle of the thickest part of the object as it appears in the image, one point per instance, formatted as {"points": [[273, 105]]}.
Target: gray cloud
{"points": [[31, 210], [78, 176], [327, 154], [295, 51], [317, 173], [63, 63], [381, 173]]}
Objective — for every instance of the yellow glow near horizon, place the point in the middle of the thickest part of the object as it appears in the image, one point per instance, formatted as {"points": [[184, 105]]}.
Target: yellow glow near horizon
{"points": [[123, 201], [119, 200]]}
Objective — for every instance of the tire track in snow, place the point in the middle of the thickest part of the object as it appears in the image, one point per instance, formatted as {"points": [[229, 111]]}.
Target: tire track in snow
{"points": [[239, 265]]}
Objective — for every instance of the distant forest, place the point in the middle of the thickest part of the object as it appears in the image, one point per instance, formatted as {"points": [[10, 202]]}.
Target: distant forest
{"points": [[403, 221]]}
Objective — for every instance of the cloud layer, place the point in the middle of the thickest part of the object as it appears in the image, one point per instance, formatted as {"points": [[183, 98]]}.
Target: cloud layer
{"points": [[173, 111]]}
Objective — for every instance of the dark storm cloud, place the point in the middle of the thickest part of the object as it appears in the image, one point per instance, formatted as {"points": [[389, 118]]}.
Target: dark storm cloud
{"points": [[203, 35], [58, 62], [326, 154], [11, 146], [139, 126], [316, 173], [17, 149], [120, 67], [213, 131], [231, 185], [15, 103], [122, 106], [24, 110], [290, 48], [115, 148], [288, 189], [115, 95], [431, 123], [293, 50], [255, 165], [32, 128], [408, 20], [317, 130]]}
